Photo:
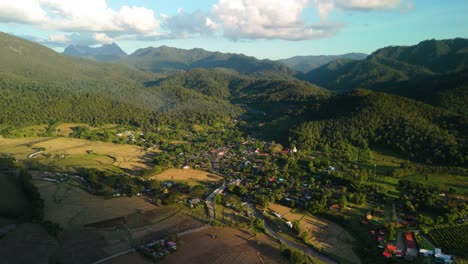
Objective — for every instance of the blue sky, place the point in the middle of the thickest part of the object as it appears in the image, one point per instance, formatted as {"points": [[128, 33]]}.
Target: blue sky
{"points": [[271, 29]]}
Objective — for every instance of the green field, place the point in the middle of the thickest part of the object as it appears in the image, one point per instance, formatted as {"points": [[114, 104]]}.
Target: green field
{"points": [[452, 240]]}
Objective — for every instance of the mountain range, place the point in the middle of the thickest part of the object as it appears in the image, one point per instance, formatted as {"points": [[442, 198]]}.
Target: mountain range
{"points": [[417, 106], [307, 63]]}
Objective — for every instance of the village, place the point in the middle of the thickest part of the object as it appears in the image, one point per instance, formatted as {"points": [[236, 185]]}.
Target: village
{"points": [[234, 180]]}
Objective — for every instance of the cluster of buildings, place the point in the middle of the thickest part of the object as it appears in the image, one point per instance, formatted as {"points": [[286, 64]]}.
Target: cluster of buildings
{"points": [[157, 250], [412, 251]]}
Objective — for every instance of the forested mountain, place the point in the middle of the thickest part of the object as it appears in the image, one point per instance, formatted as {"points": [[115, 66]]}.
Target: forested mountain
{"points": [[39, 85], [363, 118], [168, 60], [394, 64], [307, 63], [107, 52]]}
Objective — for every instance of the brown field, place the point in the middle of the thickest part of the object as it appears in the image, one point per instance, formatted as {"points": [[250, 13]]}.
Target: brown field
{"points": [[76, 152], [322, 234], [231, 245], [70, 206], [134, 258], [164, 221], [193, 177]]}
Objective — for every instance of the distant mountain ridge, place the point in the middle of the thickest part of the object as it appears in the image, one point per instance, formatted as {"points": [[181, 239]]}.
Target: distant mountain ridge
{"points": [[107, 52], [169, 60], [307, 63], [394, 64]]}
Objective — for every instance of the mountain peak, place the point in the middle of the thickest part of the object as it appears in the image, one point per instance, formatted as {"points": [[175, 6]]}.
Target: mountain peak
{"points": [[107, 52]]}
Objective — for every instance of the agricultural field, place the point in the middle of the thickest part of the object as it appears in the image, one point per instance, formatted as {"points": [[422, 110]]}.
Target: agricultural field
{"points": [[322, 234], [192, 177], [67, 153], [70, 206], [230, 246], [452, 240]]}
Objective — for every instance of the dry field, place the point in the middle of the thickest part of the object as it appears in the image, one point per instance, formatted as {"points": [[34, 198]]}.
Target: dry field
{"points": [[164, 221], [192, 177], [230, 246], [323, 234], [134, 258], [70, 206], [76, 152]]}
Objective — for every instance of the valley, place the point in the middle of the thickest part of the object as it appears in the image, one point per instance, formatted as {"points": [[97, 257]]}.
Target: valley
{"points": [[189, 156]]}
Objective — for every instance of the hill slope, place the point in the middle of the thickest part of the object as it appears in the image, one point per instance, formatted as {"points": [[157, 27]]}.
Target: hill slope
{"points": [[39, 85], [363, 118], [166, 59], [305, 64], [394, 64]]}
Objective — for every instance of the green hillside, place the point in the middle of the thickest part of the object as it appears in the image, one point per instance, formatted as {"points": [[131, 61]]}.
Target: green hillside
{"points": [[169, 60], [394, 64], [305, 64], [363, 118], [40, 85]]}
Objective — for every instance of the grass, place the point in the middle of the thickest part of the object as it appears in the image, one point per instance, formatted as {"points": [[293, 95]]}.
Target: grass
{"points": [[192, 177], [67, 153], [322, 234]]}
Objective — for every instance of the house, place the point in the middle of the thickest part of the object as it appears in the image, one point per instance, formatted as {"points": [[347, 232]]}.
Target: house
{"points": [[391, 248], [411, 246], [193, 202], [440, 257], [172, 245], [425, 252], [285, 152]]}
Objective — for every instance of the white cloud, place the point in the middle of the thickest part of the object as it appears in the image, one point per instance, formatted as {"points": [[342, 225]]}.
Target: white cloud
{"points": [[58, 38], [80, 16], [325, 7], [184, 25], [22, 11], [103, 38], [268, 19], [94, 21]]}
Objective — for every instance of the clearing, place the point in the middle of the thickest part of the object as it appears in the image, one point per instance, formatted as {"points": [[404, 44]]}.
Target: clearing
{"points": [[231, 245], [70, 206], [66, 153], [322, 234], [192, 177]]}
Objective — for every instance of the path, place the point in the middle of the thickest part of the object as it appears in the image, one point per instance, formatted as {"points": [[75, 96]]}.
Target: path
{"points": [[307, 250], [209, 201]]}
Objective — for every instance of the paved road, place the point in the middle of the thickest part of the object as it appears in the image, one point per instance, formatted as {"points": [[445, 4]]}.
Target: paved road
{"points": [[209, 201], [307, 250]]}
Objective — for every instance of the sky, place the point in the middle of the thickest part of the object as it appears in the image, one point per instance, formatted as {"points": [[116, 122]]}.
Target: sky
{"points": [[272, 29]]}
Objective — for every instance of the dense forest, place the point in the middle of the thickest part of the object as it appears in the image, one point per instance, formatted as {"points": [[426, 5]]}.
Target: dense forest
{"points": [[394, 64], [363, 118]]}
